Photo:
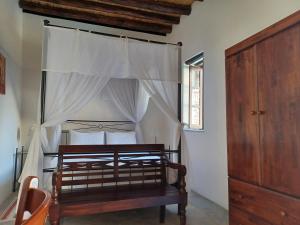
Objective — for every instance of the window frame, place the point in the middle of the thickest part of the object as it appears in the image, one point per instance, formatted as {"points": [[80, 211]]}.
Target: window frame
{"points": [[196, 62]]}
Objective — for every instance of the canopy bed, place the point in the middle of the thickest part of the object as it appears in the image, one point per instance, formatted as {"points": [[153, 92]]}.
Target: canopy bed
{"points": [[79, 66]]}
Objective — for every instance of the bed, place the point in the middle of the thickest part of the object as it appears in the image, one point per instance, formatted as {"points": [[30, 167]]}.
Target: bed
{"points": [[110, 132], [76, 69]]}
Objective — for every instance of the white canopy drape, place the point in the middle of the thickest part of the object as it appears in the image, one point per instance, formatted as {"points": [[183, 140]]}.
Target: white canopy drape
{"points": [[79, 65], [69, 93], [73, 51], [131, 99], [164, 95]]}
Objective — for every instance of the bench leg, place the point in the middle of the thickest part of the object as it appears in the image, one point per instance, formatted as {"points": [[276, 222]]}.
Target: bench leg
{"points": [[54, 222], [162, 214], [178, 210], [54, 215], [182, 214]]}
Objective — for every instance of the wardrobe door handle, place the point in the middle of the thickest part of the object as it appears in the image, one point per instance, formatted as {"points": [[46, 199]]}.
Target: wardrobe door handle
{"points": [[283, 213], [253, 112], [240, 196], [261, 112]]}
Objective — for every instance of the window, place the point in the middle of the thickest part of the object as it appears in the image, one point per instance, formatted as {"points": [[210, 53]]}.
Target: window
{"points": [[193, 93]]}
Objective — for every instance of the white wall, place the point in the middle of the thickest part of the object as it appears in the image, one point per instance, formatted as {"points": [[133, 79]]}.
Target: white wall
{"points": [[11, 48], [213, 26]]}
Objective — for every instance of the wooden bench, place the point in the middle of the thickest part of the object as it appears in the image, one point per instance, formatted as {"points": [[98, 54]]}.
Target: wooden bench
{"points": [[95, 179]]}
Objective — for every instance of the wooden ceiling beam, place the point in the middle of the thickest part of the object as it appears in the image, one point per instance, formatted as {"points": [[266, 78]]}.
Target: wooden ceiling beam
{"points": [[150, 16], [86, 13], [131, 5], [109, 7], [165, 7], [178, 2]]}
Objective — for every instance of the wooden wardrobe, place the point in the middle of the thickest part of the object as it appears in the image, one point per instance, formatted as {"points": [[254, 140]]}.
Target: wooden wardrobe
{"points": [[263, 126]]}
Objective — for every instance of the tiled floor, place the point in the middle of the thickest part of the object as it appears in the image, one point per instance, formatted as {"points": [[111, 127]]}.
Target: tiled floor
{"points": [[6, 204], [199, 212]]}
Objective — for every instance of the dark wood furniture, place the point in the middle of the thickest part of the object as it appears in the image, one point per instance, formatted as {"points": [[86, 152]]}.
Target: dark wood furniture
{"points": [[93, 179], [263, 122], [33, 200], [2, 74]]}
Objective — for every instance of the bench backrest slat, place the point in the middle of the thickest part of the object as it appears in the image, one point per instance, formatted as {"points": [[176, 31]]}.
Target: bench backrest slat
{"points": [[111, 165]]}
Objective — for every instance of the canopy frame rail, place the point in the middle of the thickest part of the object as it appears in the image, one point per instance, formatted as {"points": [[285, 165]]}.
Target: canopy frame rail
{"points": [[43, 95], [48, 24], [179, 103]]}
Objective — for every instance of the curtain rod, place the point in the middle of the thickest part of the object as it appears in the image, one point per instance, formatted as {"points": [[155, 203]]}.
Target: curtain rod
{"points": [[47, 23]]}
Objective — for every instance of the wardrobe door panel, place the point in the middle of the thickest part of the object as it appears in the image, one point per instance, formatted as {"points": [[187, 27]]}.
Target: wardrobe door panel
{"points": [[242, 121], [279, 103]]}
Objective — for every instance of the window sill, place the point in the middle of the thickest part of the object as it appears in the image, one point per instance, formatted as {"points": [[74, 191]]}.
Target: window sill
{"points": [[193, 130]]}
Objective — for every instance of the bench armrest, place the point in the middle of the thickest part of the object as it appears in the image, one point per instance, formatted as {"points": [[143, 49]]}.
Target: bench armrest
{"points": [[181, 174], [177, 166]]}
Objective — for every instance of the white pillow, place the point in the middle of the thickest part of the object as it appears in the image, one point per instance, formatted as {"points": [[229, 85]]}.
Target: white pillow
{"points": [[120, 138], [91, 138]]}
